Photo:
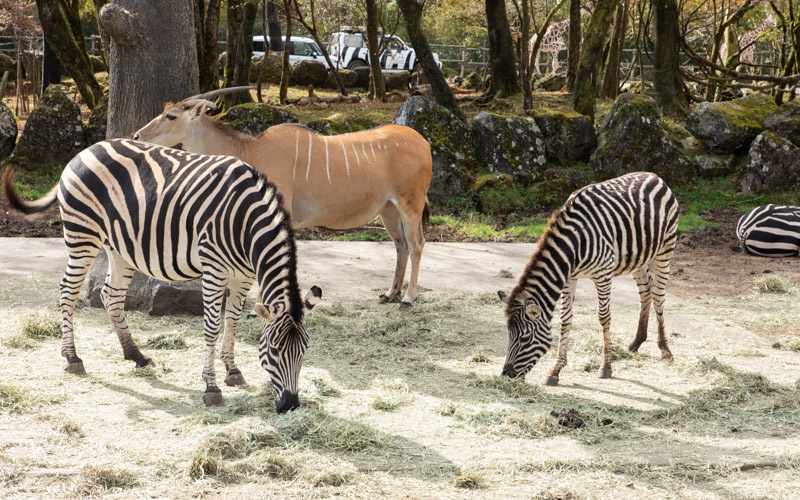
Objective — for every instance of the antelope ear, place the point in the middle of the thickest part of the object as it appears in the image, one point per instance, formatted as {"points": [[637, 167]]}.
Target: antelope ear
{"points": [[503, 296], [267, 312], [201, 107], [533, 311], [313, 297]]}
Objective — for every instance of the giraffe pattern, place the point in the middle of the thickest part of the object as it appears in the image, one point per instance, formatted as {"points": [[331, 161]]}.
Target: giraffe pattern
{"points": [[553, 42], [747, 40]]}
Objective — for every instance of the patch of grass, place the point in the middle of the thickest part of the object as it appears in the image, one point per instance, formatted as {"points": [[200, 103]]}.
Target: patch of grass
{"points": [[515, 388], [208, 459], [480, 227], [325, 387], [332, 477], [772, 283], [16, 400], [790, 343], [469, 480], [104, 479], [41, 325], [502, 420], [392, 393], [71, 429], [316, 428], [505, 273], [34, 185], [266, 463], [365, 235], [479, 356], [168, 341]]}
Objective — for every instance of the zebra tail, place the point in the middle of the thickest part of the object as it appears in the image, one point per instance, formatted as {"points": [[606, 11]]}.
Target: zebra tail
{"points": [[25, 206]]}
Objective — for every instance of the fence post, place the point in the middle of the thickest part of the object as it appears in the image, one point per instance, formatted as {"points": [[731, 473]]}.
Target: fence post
{"points": [[463, 60]]}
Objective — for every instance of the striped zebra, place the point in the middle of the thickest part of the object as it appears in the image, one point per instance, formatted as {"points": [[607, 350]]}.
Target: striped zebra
{"points": [[177, 216], [770, 231], [621, 226]]}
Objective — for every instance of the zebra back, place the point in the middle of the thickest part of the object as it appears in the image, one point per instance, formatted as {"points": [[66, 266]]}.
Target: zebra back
{"points": [[770, 231]]}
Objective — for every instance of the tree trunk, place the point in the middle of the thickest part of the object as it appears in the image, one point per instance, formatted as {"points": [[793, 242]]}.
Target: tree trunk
{"points": [[502, 63], [51, 68], [312, 28], [611, 76], [589, 64], [667, 78], [442, 94], [274, 26], [104, 41], [153, 60], [524, 57], [74, 58], [378, 89], [287, 68], [241, 18], [206, 26], [574, 47]]}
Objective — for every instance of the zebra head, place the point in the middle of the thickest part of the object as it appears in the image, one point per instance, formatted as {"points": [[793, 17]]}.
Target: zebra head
{"points": [[283, 344], [528, 334]]}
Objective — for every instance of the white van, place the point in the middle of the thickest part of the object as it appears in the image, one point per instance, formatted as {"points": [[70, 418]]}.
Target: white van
{"points": [[300, 49]]}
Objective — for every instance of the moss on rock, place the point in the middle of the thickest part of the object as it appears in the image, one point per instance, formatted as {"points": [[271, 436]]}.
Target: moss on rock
{"points": [[510, 144], [785, 121], [341, 123], [730, 126], [568, 136], [254, 118]]}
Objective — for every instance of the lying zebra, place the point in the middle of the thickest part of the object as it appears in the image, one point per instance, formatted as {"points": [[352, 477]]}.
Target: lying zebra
{"points": [[770, 231], [177, 216], [622, 226]]}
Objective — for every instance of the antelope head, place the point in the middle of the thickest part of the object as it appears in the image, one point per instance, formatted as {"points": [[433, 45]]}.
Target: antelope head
{"points": [[178, 123]]}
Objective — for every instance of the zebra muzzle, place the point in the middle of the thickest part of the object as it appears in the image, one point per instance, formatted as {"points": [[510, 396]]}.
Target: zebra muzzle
{"points": [[287, 402]]}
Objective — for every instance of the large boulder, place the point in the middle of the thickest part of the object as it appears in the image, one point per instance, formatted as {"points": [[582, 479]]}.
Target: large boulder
{"points": [[98, 64], [552, 82], [157, 298], [397, 81], [362, 76], [349, 79], [473, 81], [454, 158], [633, 138], [309, 72], [568, 136], [557, 185], [341, 123], [52, 135], [8, 131], [773, 164], [272, 64], [254, 118], [495, 194], [511, 145], [711, 165], [786, 121], [95, 129], [730, 126]]}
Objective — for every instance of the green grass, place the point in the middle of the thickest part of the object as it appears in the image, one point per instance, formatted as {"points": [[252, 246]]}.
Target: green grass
{"points": [[772, 283], [34, 185], [365, 235], [480, 227], [170, 340]]}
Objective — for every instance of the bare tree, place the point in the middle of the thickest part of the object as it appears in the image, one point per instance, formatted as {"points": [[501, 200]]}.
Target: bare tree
{"points": [[313, 29], [17, 18], [239, 42]]}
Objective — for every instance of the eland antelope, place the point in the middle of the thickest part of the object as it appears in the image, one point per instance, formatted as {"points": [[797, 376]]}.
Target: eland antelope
{"points": [[336, 182]]}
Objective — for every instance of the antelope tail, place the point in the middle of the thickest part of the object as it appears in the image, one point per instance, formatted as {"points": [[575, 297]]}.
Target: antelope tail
{"points": [[426, 214], [25, 206]]}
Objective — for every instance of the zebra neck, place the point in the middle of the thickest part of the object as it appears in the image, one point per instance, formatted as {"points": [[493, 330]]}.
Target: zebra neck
{"points": [[276, 270], [549, 268]]}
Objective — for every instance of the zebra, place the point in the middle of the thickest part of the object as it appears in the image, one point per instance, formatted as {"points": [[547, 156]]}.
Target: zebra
{"points": [[770, 231], [625, 225], [177, 216]]}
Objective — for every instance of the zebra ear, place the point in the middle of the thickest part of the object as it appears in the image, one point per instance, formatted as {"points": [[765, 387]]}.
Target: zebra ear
{"points": [[503, 296], [267, 312], [313, 298], [533, 311]]}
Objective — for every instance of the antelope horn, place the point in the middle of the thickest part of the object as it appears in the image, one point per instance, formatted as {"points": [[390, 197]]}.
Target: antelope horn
{"points": [[218, 92]]}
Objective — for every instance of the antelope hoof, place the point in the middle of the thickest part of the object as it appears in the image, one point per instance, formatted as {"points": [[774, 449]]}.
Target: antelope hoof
{"points": [[211, 398], [405, 305], [604, 373], [633, 348], [383, 298], [143, 361], [666, 357], [234, 377], [75, 368], [551, 380]]}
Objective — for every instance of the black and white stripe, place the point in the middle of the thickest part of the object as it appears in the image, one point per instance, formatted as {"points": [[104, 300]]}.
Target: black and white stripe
{"points": [[770, 231], [177, 216], [622, 226]]}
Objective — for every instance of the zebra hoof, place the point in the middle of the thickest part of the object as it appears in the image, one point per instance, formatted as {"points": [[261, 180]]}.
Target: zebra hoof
{"points": [[75, 368], [383, 298], [212, 398], [551, 380], [604, 373], [143, 361], [234, 378], [405, 305]]}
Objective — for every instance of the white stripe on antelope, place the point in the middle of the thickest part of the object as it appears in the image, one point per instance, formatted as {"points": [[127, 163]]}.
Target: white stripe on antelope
{"points": [[177, 216], [337, 182], [622, 226], [770, 231]]}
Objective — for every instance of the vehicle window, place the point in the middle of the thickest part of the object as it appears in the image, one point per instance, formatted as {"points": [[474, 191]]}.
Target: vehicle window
{"points": [[302, 49], [394, 44], [258, 46], [353, 41]]}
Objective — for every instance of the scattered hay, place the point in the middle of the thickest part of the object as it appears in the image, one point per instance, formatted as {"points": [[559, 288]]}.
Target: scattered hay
{"points": [[325, 388], [166, 341], [478, 356], [316, 428], [468, 479], [15, 400], [332, 477], [266, 463], [19, 341], [505, 273], [41, 325], [104, 479], [790, 343], [515, 388], [772, 283], [490, 419], [69, 428], [209, 457]]}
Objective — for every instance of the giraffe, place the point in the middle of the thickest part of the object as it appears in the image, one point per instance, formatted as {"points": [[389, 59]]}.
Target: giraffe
{"points": [[552, 43], [747, 44]]}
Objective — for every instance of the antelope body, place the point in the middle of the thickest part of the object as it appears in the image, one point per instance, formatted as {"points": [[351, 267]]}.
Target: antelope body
{"points": [[336, 182]]}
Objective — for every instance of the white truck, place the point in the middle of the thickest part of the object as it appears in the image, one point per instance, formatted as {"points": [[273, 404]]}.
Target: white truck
{"points": [[348, 49]]}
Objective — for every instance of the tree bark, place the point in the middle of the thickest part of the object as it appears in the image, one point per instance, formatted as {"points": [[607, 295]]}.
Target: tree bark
{"points": [[442, 94], [574, 47], [667, 78], [57, 29], [51, 68], [525, 57], [104, 41], [589, 64], [206, 26], [502, 63], [378, 90], [241, 18], [611, 77], [153, 60], [274, 26], [287, 68]]}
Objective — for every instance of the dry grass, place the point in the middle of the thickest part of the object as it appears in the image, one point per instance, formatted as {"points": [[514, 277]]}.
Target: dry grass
{"points": [[41, 325], [318, 429], [169, 341], [791, 343], [103, 480], [772, 283]]}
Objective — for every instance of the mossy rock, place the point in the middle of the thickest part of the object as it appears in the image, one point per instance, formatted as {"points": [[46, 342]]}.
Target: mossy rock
{"points": [[551, 83], [349, 79], [473, 81], [568, 136], [274, 67], [10, 65], [95, 128], [510, 144], [363, 75], [397, 81], [8, 131], [495, 194], [341, 123], [254, 118], [455, 162], [53, 133], [773, 164], [785, 121], [633, 138], [730, 126], [98, 64], [309, 72], [557, 185]]}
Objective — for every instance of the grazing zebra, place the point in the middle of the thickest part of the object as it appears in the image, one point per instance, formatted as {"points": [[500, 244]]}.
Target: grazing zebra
{"points": [[621, 226], [770, 231], [177, 216]]}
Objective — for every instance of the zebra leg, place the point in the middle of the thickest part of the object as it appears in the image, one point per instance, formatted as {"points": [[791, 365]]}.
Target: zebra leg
{"points": [[567, 299], [661, 266], [119, 277], [644, 281], [603, 286], [237, 292], [415, 240], [394, 226], [214, 285], [80, 260]]}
